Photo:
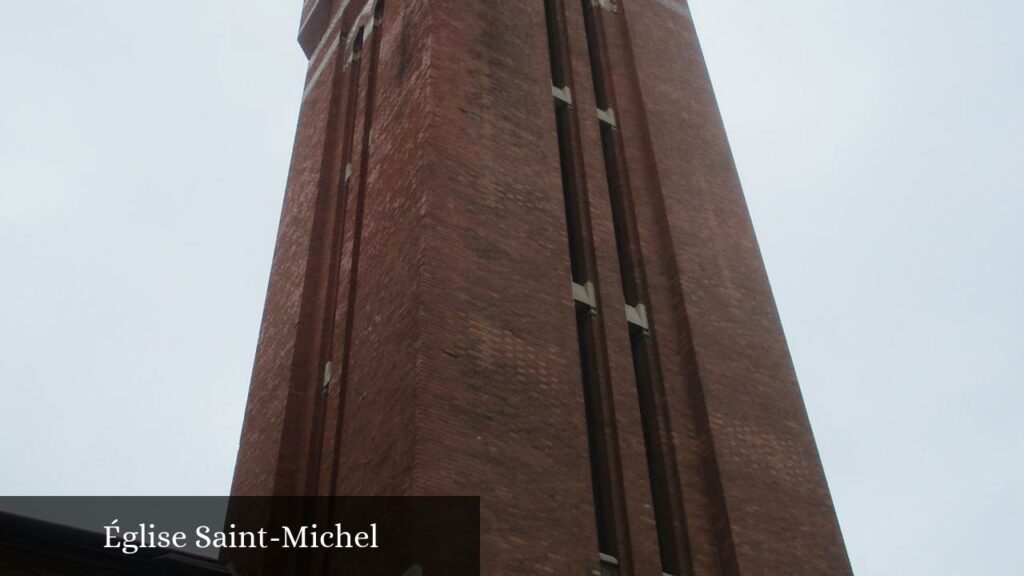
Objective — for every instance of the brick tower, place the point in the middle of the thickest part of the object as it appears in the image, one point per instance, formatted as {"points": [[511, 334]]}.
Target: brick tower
{"points": [[515, 261]]}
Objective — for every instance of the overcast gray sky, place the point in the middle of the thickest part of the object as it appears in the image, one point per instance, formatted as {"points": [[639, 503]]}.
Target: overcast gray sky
{"points": [[143, 153]]}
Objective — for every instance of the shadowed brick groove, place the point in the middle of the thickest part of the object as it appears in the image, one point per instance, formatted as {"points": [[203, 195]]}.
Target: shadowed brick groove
{"points": [[515, 261]]}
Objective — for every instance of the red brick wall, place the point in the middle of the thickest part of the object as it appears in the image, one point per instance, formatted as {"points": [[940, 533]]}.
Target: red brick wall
{"points": [[454, 361]]}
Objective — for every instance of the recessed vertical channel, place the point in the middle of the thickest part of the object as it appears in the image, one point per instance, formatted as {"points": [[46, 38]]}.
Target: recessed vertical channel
{"points": [[354, 185], [346, 91], [627, 267], [600, 469], [599, 413], [574, 225], [327, 415], [556, 52], [656, 465], [332, 370], [662, 473], [369, 101]]}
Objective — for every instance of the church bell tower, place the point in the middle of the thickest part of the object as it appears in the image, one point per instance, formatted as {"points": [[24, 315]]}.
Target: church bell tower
{"points": [[515, 261]]}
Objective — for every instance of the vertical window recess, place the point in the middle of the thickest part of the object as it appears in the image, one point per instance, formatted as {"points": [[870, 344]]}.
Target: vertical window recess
{"points": [[643, 351], [584, 296]]}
